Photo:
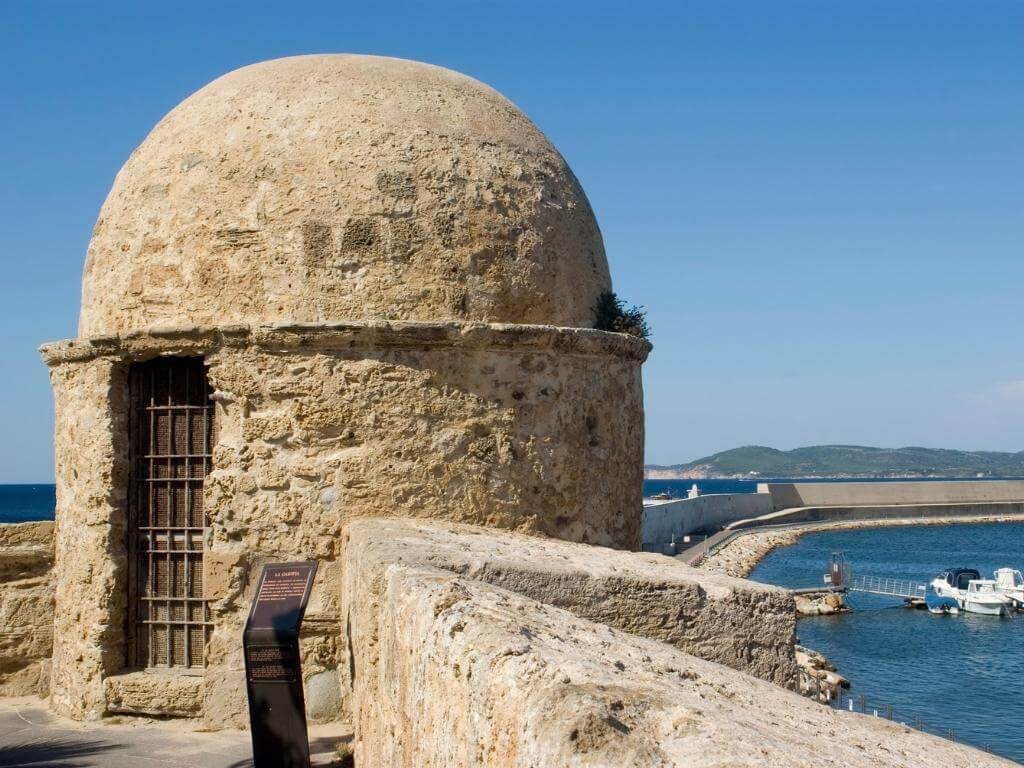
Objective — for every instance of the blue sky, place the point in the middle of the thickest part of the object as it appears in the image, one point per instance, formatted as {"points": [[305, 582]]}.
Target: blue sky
{"points": [[819, 203]]}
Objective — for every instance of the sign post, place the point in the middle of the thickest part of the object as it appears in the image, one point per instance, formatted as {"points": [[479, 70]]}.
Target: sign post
{"points": [[277, 707]]}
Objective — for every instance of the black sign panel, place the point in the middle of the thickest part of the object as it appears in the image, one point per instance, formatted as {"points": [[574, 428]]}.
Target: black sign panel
{"points": [[277, 707], [282, 596]]}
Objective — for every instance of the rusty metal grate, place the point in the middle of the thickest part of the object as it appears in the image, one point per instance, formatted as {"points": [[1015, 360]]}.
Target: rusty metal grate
{"points": [[171, 427]]}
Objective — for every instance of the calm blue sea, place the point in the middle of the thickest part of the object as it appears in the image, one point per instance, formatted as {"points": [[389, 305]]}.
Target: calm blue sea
{"points": [[22, 503], [954, 672]]}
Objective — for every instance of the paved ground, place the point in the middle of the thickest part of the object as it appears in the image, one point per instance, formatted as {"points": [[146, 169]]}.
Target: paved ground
{"points": [[31, 737]]}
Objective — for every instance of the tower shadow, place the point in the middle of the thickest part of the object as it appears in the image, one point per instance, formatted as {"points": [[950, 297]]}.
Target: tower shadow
{"points": [[52, 754]]}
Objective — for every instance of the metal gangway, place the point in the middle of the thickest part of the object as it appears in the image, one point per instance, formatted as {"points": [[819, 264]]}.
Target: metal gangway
{"points": [[842, 579], [877, 585]]}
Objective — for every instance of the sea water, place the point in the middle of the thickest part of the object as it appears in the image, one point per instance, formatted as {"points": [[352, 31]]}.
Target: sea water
{"points": [[953, 673], [23, 503]]}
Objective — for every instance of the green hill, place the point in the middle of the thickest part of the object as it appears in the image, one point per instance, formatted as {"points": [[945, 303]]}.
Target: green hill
{"points": [[845, 461]]}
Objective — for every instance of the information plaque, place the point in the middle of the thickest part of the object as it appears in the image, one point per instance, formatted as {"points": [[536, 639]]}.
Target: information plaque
{"points": [[273, 675]]}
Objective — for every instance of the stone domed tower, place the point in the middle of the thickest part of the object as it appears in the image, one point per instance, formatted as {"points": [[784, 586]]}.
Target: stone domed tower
{"points": [[324, 188], [323, 288]]}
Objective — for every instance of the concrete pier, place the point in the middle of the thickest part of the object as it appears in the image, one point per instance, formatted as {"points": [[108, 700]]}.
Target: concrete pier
{"points": [[852, 494]]}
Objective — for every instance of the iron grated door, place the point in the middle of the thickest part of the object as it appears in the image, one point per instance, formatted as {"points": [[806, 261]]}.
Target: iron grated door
{"points": [[171, 426]]}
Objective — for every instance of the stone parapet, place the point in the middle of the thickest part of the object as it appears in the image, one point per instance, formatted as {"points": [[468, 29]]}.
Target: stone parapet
{"points": [[26, 608], [742, 624], [26, 550]]}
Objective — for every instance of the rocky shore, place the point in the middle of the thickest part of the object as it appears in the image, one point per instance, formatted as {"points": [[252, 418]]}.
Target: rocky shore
{"points": [[820, 604], [741, 555], [818, 677]]}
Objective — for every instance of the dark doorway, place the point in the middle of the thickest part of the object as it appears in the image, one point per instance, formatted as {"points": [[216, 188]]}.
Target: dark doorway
{"points": [[172, 436]]}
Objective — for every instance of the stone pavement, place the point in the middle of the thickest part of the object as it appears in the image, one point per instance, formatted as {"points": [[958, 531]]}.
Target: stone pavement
{"points": [[32, 737]]}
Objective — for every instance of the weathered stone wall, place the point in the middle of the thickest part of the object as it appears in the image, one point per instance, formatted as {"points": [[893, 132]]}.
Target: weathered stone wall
{"points": [[449, 671], [92, 477], [26, 608], [534, 441]]}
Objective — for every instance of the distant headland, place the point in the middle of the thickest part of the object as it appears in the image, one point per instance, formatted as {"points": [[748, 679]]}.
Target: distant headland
{"points": [[846, 461]]}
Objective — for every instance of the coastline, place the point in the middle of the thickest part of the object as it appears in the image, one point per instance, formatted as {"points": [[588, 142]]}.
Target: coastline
{"points": [[743, 554]]}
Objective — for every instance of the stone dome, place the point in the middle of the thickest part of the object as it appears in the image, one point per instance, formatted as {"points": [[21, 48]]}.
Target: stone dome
{"points": [[341, 187]]}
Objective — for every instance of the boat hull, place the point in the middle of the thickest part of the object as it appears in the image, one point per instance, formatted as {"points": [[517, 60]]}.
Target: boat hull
{"points": [[984, 608], [940, 605]]}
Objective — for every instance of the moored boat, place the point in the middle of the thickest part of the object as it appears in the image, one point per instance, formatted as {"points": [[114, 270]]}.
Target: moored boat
{"points": [[982, 597], [1010, 583], [953, 582], [941, 605]]}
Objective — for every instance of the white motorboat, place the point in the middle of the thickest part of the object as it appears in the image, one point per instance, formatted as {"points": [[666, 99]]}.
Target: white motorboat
{"points": [[1010, 583], [982, 597], [971, 592], [953, 583]]}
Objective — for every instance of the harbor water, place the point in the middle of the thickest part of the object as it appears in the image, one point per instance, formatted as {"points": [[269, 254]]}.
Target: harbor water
{"points": [[958, 674]]}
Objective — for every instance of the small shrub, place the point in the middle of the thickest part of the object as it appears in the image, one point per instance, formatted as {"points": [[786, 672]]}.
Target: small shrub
{"points": [[611, 314], [346, 755]]}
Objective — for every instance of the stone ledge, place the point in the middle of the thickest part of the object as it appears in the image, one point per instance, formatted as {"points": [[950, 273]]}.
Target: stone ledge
{"points": [[191, 340], [155, 694], [739, 623]]}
